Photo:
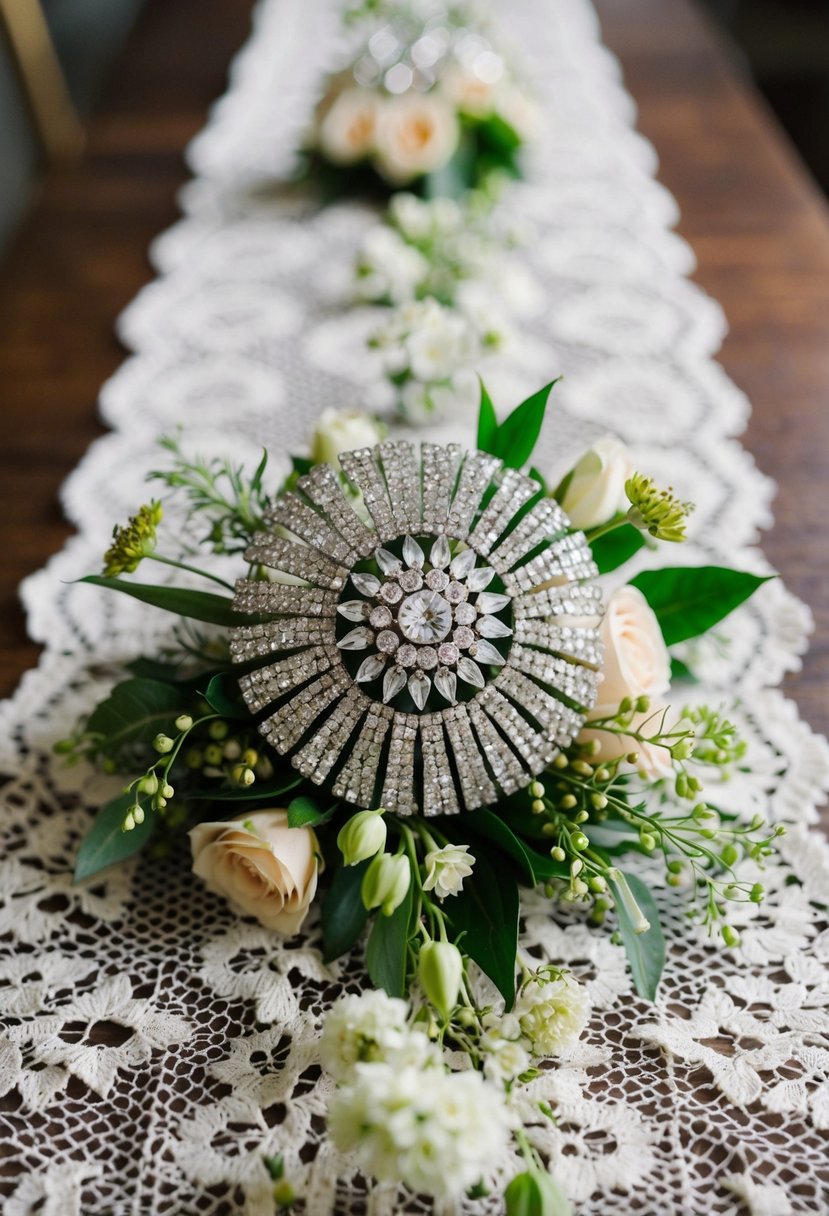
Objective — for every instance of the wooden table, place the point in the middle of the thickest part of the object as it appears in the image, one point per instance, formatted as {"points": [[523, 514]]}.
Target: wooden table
{"points": [[758, 226]]}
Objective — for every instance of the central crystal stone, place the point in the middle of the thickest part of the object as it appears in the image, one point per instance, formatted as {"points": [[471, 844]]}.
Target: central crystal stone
{"points": [[425, 617]]}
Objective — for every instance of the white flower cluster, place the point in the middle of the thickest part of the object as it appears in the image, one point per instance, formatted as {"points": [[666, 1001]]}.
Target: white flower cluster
{"points": [[438, 1135], [549, 1015], [430, 351], [432, 247]]}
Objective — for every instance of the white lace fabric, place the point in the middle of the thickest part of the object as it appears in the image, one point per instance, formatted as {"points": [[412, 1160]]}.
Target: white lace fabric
{"points": [[154, 1045]]}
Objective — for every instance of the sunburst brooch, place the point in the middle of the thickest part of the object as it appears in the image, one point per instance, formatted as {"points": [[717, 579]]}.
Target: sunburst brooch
{"points": [[437, 634]]}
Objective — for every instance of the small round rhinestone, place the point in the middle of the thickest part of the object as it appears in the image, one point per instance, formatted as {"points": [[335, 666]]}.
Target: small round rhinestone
{"points": [[387, 641], [391, 592], [411, 580], [456, 593], [406, 655], [465, 614], [381, 618], [427, 658], [464, 637], [438, 580], [448, 654]]}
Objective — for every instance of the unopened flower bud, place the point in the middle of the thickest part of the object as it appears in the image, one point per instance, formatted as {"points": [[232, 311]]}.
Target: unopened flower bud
{"points": [[535, 1193], [163, 744], [138, 814], [440, 970], [283, 1194], [250, 757], [213, 754], [597, 884], [537, 806], [560, 761], [640, 922], [243, 775], [568, 802], [598, 801], [642, 705], [683, 749], [729, 853], [730, 936], [385, 883], [194, 758], [757, 893], [232, 750], [129, 822], [557, 853], [148, 784], [647, 841], [183, 722], [579, 841], [218, 730], [536, 790], [363, 836]]}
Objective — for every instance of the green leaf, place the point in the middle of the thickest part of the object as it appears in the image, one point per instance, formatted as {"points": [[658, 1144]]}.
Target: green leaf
{"points": [[196, 605], [105, 844], [689, 600], [617, 547], [343, 913], [487, 421], [517, 435], [223, 695], [486, 913], [135, 712], [387, 950], [304, 813], [484, 823], [682, 672], [645, 951]]}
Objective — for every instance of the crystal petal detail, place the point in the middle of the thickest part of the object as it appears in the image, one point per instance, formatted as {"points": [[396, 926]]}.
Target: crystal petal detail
{"points": [[463, 563], [440, 554], [492, 601], [491, 627], [367, 584], [480, 578], [469, 671], [357, 639], [420, 686], [387, 562], [393, 681], [370, 668], [446, 682], [413, 555], [353, 610], [485, 652]]}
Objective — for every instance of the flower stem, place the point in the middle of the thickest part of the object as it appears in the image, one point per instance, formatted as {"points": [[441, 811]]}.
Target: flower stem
{"points": [[169, 561]]}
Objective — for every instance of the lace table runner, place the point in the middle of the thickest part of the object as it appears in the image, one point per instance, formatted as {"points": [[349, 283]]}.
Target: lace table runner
{"points": [[154, 1045]]}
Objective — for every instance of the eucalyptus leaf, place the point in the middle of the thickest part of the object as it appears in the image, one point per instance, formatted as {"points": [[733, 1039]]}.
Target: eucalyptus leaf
{"points": [[135, 712], [645, 951], [195, 605], [484, 920], [344, 915], [388, 944], [105, 844], [690, 600], [617, 547]]}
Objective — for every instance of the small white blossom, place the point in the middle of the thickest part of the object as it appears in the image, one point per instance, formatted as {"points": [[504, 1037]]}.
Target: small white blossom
{"points": [[505, 1057], [552, 1014], [388, 267], [438, 1138], [371, 1026], [446, 869], [443, 342]]}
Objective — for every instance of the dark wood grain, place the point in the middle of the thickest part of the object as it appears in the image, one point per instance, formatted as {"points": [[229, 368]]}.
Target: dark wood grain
{"points": [[758, 226]]}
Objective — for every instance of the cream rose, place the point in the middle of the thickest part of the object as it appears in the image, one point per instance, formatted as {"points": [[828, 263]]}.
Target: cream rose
{"points": [[652, 760], [343, 431], [266, 870], [416, 134], [597, 487], [636, 664], [468, 92], [348, 127]]}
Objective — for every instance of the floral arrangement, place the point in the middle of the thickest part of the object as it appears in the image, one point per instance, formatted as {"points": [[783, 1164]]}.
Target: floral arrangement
{"points": [[424, 100], [409, 708]]}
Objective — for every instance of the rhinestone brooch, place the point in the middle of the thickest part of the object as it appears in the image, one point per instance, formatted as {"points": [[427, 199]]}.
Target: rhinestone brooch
{"points": [[435, 641]]}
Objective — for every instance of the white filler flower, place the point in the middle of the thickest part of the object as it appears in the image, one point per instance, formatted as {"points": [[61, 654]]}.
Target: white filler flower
{"points": [[446, 869], [438, 1137], [369, 1027], [552, 1015]]}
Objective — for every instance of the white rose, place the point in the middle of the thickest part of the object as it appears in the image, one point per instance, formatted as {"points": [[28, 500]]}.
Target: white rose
{"points": [[343, 431], [416, 134], [268, 870], [597, 487], [348, 127], [636, 660]]}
